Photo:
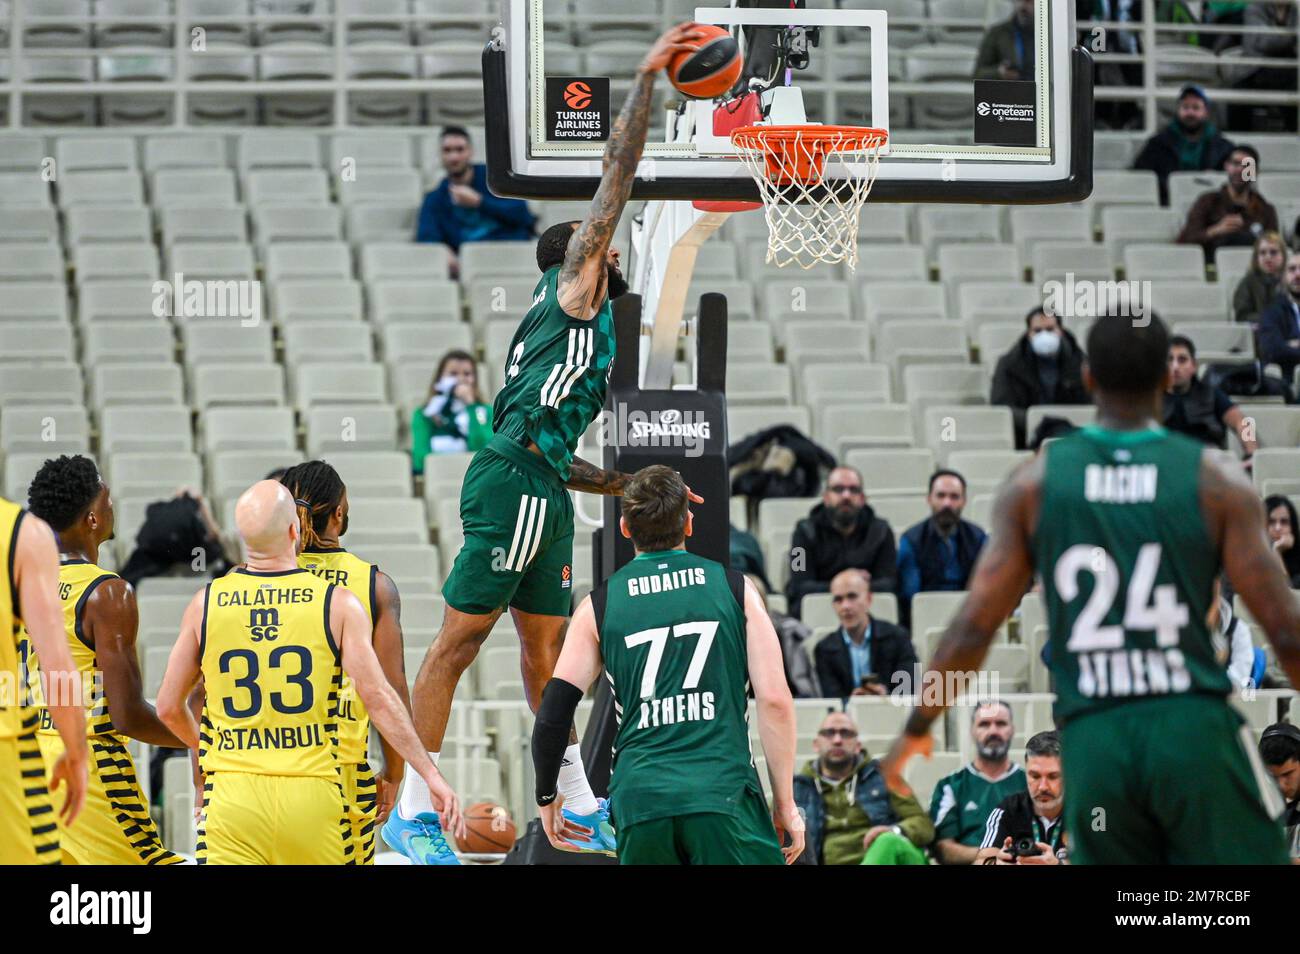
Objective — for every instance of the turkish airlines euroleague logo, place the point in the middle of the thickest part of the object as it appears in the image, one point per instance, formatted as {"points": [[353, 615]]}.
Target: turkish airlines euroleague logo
{"points": [[577, 95], [577, 108]]}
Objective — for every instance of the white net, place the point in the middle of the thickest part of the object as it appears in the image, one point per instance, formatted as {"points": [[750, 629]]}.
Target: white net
{"points": [[806, 222]]}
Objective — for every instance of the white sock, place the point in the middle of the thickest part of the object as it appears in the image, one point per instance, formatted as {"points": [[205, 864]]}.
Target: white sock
{"points": [[415, 796], [573, 784]]}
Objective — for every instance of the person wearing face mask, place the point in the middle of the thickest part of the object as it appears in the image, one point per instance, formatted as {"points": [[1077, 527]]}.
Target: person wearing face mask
{"points": [[1043, 367], [455, 419], [1195, 407], [939, 552]]}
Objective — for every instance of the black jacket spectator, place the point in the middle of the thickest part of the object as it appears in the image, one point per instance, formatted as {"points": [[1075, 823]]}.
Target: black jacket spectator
{"points": [[1279, 326], [1015, 818], [1007, 49], [819, 551], [1212, 207], [1198, 412], [893, 657], [1254, 293], [1022, 379], [1171, 150]]}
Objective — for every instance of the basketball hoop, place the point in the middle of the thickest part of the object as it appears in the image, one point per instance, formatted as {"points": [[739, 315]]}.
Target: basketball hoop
{"points": [[810, 220]]}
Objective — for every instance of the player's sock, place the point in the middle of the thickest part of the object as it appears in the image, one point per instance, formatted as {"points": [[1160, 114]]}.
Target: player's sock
{"points": [[573, 784], [415, 796]]}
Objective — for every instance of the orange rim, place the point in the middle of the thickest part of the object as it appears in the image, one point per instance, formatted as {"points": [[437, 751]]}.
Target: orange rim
{"points": [[786, 164]]}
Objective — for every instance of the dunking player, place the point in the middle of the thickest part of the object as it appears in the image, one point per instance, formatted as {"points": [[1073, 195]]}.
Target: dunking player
{"points": [[100, 620], [514, 505], [1128, 525], [322, 501], [681, 639]]}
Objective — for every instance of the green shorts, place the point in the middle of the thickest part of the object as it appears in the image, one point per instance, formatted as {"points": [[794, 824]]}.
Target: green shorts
{"points": [[706, 838], [1168, 781], [518, 522]]}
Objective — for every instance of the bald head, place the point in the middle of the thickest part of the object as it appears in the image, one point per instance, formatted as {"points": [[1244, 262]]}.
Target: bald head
{"points": [[267, 520], [851, 598]]}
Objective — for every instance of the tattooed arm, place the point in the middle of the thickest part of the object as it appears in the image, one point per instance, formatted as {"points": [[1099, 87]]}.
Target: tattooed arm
{"points": [[581, 285], [590, 479]]}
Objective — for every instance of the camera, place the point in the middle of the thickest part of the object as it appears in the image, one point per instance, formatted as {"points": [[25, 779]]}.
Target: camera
{"points": [[1024, 847]]}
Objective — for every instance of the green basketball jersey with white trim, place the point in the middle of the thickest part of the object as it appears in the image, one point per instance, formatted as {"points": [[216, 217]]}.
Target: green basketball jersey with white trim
{"points": [[555, 376], [672, 635], [1128, 569]]}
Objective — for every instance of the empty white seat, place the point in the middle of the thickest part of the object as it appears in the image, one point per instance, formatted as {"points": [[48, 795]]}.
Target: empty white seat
{"points": [[308, 341], [924, 384], [129, 340], [983, 302], [408, 341], [373, 473], [35, 225], [345, 426], [744, 421], [117, 300], [202, 225], [141, 428], [1145, 262], [93, 223], [1124, 187], [423, 300], [44, 430], [985, 470], [407, 563], [286, 187], [20, 469], [132, 383], [296, 224], [977, 261], [758, 383], [332, 383], [231, 472], [843, 427], [375, 222], [942, 224], [319, 300], [892, 263], [1124, 225], [947, 428], [1030, 225], [76, 153], [23, 190], [100, 188], [787, 299], [247, 428], [214, 383], [498, 259], [925, 299], [1190, 300], [184, 152], [155, 474], [210, 261], [31, 262], [891, 470], [194, 187], [288, 261], [260, 150], [1186, 187], [500, 297], [839, 383], [35, 301], [1054, 261], [919, 336], [369, 151], [115, 261], [22, 154], [36, 343], [385, 260], [394, 186]]}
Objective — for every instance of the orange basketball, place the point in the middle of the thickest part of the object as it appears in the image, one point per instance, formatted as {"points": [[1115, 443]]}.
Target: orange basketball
{"points": [[710, 69], [488, 828]]}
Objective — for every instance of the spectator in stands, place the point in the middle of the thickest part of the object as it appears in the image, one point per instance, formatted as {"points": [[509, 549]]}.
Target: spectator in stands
{"points": [[962, 802], [852, 818], [1262, 281], [455, 419], [461, 209], [1233, 646], [1033, 814], [1043, 367], [1113, 113], [841, 532], [866, 656], [1195, 407], [792, 634], [1191, 142], [1236, 214], [1007, 50], [938, 553], [1279, 750], [180, 532], [1283, 530], [1279, 323], [746, 555], [1277, 40]]}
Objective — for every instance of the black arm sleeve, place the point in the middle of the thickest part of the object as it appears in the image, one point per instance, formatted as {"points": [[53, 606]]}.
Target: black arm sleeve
{"points": [[551, 735]]}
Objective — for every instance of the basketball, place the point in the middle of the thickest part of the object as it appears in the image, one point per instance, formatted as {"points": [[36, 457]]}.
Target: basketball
{"points": [[711, 68], [488, 829]]}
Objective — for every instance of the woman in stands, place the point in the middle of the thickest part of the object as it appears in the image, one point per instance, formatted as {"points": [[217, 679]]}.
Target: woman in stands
{"points": [[1259, 286], [455, 418], [1282, 531]]}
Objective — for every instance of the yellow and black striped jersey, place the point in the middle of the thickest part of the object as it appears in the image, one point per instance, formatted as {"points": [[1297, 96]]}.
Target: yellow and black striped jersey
{"points": [[78, 579], [272, 674], [338, 566], [16, 717]]}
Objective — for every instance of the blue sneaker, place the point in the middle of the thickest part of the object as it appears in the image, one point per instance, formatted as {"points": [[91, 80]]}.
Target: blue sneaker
{"points": [[420, 838], [601, 840]]}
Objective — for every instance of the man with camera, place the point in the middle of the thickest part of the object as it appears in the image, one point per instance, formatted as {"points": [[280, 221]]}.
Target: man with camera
{"points": [[1028, 828]]}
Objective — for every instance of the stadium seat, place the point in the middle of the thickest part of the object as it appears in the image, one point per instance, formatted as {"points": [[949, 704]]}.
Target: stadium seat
{"points": [[1280, 467], [977, 262], [187, 151], [31, 262], [132, 383], [1166, 261], [824, 383], [944, 224], [1186, 187], [23, 190], [983, 302], [318, 300], [211, 261], [92, 223], [247, 428], [202, 225], [271, 150], [135, 429], [298, 187], [152, 474], [1123, 226], [900, 511], [192, 188], [222, 343], [1077, 414], [1274, 425], [342, 426], [414, 567], [892, 471], [308, 261], [1213, 336], [924, 299], [34, 430], [1032, 225], [892, 264], [819, 342], [843, 427], [373, 473], [985, 470], [41, 343], [387, 260], [374, 222], [415, 300], [920, 337], [744, 421], [116, 261], [758, 383], [498, 298], [925, 384], [35, 226], [296, 224], [34, 301], [1053, 261], [1125, 187], [237, 383], [100, 188], [947, 428], [47, 384], [334, 383], [314, 341]]}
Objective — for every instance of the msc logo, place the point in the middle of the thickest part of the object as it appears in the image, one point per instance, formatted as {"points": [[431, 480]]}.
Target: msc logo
{"points": [[566, 577], [982, 109], [264, 624], [577, 95]]}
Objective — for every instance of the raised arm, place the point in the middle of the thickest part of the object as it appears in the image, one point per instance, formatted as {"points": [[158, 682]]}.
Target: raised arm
{"points": [[111, 621], [776, 728], [1236, 517], [581, 285], [182, 675], [1001, 574], [392, 659], [36, 581]]}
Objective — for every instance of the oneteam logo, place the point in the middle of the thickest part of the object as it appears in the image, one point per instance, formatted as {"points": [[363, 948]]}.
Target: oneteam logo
{"points": [[75, 907]]}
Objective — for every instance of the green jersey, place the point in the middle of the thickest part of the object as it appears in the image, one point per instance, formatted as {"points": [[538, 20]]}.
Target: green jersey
{"points": [[1128, 569], [555, 376], [963, 801], [672, 635]]}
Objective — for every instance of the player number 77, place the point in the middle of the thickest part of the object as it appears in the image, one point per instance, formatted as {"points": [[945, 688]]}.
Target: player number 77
{"points": [[658, 638]]}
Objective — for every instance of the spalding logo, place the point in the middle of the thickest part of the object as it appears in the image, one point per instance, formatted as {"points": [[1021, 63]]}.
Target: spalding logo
{"points": [[670, 416], [577, 95]]}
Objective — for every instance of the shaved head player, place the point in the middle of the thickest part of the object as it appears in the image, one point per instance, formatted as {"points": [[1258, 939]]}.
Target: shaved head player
{"points": [[1128, 526], [514, 504]]}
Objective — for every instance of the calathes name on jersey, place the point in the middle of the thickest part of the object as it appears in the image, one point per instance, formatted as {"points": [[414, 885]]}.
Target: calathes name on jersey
{"points": [[683, 707], [665, 582]]}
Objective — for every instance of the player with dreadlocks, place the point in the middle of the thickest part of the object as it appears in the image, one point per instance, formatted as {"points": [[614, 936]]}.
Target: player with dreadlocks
{"points": [[322, 501], [100, 619]]}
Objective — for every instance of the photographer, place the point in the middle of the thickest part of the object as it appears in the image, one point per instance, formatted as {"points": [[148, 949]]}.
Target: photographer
{"points": [[1028, 828], [1279, 748], [455, 418], [1235, 214]]}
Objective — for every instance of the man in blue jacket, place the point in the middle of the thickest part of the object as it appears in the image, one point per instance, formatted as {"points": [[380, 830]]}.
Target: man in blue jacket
{"points": [[461, 209], [939, 552], [1279, 323]]}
